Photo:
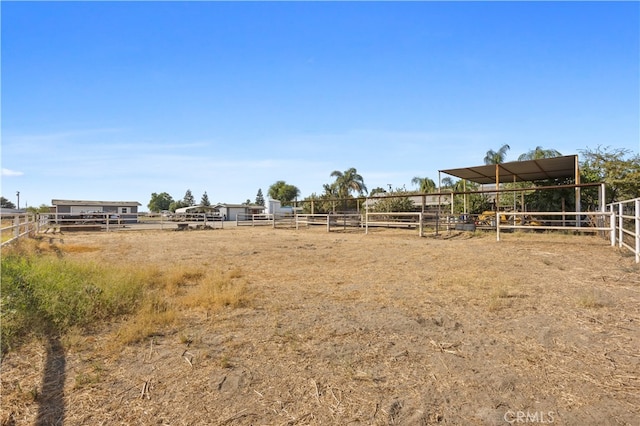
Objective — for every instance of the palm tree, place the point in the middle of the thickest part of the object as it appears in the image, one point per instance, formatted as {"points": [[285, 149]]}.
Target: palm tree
{"points": [[539, 153], [348, 181], [496, 157], [425, 184], [447, 183]]}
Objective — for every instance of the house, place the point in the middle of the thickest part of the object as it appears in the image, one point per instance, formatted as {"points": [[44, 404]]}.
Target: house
{"points": [[126, 210]]}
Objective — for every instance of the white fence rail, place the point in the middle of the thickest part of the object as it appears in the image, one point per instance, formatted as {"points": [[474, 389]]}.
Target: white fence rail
{"points": [[395, 220], [626, 226], [587, 222], [313, 219], [18, 226], [243, 219], [96, 221]]}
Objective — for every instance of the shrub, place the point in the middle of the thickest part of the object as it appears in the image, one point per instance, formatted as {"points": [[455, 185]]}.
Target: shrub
{"points": [[45, 294]]}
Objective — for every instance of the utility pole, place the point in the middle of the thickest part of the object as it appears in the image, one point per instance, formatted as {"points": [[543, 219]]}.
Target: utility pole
{"points": [[18, 195]]}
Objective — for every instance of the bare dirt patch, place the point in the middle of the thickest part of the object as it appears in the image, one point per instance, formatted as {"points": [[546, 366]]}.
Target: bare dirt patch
{"points": [[347, 328]]}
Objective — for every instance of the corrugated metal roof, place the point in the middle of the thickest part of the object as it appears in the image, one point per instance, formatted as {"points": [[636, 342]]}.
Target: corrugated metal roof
{"points": [[522, 171]]}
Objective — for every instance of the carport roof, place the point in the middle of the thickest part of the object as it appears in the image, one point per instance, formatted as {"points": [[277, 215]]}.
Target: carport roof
{"points": [[519, 171]]}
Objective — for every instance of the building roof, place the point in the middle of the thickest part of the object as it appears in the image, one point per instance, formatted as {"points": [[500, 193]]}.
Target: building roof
{"points": [[250, 206], [93, 203], [8, 211], [519, 171]]}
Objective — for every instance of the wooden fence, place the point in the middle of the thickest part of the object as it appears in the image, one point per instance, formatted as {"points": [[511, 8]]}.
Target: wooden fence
{"points": [[19, 226]]}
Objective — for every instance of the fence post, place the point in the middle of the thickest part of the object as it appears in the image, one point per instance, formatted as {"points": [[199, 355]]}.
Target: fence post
{"points": [[16, 226], [421, 224], [620, 224], [366, 223], [612, 225], [637, 214]]}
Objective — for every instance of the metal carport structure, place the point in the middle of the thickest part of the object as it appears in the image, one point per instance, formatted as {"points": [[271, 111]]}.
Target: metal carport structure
{"points": [[525, 171], [566, 166]]}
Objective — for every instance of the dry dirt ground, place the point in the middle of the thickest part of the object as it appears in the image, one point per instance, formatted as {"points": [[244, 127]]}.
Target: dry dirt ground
{"points": [[347, 328]]}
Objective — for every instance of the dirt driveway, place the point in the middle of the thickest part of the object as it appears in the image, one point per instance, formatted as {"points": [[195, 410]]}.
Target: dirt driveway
{"points": [[346, 328]]}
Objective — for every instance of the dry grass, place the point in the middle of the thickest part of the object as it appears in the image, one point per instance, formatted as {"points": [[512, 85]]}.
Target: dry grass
{"points": [[176, 289], [593, 299], [217, 290]]}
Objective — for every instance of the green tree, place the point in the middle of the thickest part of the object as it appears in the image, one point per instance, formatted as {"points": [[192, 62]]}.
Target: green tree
{"points": [[204, 201], [425, 185], [395, 201], [377, 190], [348, 181], [317, 204], [175, 205], [330, 190], [6, 203], [42, 209], [447, 183], [159, 202], [259, 198], [189, 199], [539, 153], [497, 157], [283, 192], [619, 169]]}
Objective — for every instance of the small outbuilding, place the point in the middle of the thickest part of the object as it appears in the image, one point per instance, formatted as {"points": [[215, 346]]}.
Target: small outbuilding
{"points": [[231, 211]]}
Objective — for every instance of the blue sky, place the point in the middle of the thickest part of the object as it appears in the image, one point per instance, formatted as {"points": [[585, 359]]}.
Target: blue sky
{"points": [[116, 100]]}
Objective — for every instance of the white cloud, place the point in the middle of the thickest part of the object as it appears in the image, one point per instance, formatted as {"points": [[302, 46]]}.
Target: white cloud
{"points": [[11, 173]]}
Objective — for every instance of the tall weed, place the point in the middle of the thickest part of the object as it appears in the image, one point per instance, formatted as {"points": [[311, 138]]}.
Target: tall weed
{"points": [[46, 294]]}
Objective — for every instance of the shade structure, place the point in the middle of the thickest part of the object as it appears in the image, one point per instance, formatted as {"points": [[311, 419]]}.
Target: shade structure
{"points": [[520, 171]]}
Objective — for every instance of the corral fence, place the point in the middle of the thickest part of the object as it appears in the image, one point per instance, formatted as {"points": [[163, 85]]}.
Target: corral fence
{"points": [[275, 220], [77, 222], [619, 222], [263, 219], [330, 220], [396, 220], [596, 222], [365, 220], [626, 225], [18, 226]]}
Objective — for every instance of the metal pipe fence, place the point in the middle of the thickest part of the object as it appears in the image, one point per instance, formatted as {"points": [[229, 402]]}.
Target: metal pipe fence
{"points": [[626, 225]]}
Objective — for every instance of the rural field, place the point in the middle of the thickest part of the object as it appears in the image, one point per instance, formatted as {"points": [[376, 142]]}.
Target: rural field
{"points": [[346, 328]]}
